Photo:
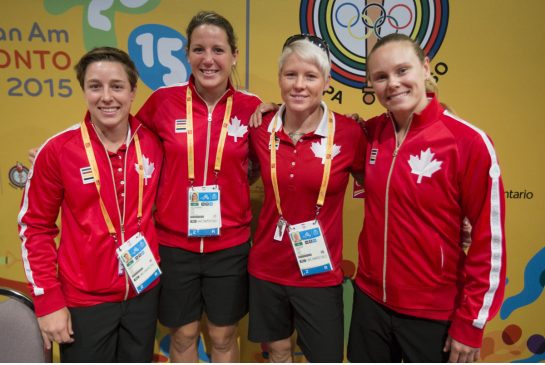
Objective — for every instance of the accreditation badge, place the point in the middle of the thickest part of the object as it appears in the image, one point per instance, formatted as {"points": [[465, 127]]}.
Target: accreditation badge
{"points": [[204, 211], [310, 248], [139, 262]]}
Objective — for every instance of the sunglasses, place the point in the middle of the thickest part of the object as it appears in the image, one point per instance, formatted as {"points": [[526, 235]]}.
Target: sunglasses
{"points": [[317, 41]]}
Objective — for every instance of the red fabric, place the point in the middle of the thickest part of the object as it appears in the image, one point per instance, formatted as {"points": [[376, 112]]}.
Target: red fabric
{"points": [[420, 269], [159, 113], [117, 161], [86, 258], [299, 177]]}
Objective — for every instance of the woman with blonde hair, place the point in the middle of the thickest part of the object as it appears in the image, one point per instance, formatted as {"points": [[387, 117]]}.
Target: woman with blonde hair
{"points": [[306, 153]]}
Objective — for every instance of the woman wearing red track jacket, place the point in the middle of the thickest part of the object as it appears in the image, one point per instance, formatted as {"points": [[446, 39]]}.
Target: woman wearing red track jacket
{"points": [[418, 296], [203, 126], [102, 175]]}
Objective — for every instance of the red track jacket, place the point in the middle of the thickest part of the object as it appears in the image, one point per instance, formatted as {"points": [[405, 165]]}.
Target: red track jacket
{"points": [[86, 256], [165, 113], [410, 258]]}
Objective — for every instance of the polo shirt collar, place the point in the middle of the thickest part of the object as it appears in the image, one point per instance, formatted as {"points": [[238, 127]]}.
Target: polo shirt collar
{"points": [[321, 130]]}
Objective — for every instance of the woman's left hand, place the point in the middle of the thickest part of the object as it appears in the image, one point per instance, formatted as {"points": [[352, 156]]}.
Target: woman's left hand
{"points": [[460, 352]]}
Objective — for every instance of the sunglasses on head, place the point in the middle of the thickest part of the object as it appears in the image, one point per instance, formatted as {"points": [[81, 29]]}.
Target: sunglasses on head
{"points": [[309, 37]]}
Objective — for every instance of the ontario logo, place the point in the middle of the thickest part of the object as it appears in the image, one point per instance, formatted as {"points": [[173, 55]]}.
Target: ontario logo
{"points": [[351, 28]]}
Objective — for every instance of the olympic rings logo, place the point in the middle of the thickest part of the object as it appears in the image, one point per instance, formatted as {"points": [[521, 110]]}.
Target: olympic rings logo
{"points": [[352, 27], [373, 26]]}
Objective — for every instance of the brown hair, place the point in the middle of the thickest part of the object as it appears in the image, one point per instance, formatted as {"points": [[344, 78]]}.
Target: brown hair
{"points": [[110, 54], [212, 18]]}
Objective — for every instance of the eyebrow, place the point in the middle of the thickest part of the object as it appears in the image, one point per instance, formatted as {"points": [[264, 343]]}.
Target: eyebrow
{"points": [[114, 80]]}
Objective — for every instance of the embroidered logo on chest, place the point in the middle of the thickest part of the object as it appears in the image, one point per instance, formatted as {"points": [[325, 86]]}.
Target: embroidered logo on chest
{"points": [[373, 157], [235, 129], [425, 165], [180, 126], [319, 149], [149, 168], [87, 175]]}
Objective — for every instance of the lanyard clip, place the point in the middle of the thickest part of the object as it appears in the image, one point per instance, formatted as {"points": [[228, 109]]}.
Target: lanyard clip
{"points": [[317, 212], [216, 173], [280, 229]]}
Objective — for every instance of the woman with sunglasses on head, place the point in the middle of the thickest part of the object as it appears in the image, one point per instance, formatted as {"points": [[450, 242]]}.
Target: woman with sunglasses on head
{"points": [[418, 296], [203, 207], [306, 154]]}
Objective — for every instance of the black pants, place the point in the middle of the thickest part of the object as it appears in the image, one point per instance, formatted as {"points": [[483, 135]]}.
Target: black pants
{"points": [[316, 313], [114, 332], [379, 334]]}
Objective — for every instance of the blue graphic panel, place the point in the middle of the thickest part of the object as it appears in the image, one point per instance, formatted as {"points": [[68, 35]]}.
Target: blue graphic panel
{"points": [[159, 54], [534, 280]]}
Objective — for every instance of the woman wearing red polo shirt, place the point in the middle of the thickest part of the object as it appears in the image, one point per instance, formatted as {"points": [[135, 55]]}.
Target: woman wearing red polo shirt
{"points": [[306, 154]]}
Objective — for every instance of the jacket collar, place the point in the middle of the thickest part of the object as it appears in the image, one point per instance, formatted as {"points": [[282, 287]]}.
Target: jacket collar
{"points": [[134, 125], [428, 115], [229, 91]]}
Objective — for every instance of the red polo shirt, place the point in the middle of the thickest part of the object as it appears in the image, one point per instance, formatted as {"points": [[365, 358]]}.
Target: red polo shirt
{"points": [[300, 171]]}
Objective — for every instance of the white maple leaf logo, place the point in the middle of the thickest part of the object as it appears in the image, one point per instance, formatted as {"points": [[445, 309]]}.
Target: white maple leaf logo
{"points": [[425, 165], [149, 167], [236, 130], [319, 149]]}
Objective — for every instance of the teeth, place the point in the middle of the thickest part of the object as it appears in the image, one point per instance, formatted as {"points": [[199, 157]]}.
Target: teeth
{"points": [[398, 95], [108, 110]]}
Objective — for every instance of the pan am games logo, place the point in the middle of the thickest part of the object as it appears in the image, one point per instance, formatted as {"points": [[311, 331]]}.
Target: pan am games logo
{"points": [[351, 28]]}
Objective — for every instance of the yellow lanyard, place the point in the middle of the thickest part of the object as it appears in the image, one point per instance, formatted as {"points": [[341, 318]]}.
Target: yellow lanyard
{"points": [[190, 142], [327, 165], [96, 176]]}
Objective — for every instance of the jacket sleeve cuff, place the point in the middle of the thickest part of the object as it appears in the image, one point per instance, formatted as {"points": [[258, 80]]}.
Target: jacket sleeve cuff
{"points": [[52, 300], [464, 332]]}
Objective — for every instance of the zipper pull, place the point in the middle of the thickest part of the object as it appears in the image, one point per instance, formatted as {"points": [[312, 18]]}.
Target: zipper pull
{"points": [[395, 151], [209, 117]]}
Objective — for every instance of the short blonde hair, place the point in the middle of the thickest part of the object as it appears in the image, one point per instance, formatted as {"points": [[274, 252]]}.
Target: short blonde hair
{"points": [[308, 52]]}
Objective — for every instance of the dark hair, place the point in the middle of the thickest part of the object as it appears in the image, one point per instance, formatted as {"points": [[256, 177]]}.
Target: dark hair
{"points": [[398, 37], [212, 18], [106, 54]]}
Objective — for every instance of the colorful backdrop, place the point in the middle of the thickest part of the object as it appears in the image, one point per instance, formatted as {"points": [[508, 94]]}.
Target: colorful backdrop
{"points": [[486, 56]]}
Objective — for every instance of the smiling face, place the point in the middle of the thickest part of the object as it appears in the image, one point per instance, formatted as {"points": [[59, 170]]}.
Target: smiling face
{"points": [[108, 94], [211, 59], [301, 84], [398, 78]]}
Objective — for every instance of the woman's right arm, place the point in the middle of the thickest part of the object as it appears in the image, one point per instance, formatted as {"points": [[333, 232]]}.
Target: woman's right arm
{"points": [[40, 206]]}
